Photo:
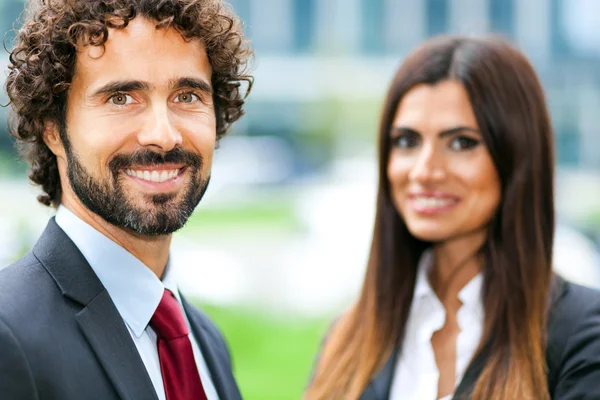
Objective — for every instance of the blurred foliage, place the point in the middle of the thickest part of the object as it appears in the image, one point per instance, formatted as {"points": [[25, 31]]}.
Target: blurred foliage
{"points": [[276, 214], [11, 164], [594, 217], [592, 224], [24, 241], [273, 356]]}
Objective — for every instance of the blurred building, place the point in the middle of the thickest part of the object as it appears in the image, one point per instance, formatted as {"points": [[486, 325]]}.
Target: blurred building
{"points": [[318, 60], [346, 50]]}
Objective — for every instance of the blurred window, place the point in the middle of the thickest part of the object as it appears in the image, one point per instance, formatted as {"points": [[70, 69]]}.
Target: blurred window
{"points": [[10, 10], [437, 17], [373, 25], [567, 146], [577, 27], [270, 25], [502, 16], [304, 25], [560, 46], [565, 121], [242, 9]]}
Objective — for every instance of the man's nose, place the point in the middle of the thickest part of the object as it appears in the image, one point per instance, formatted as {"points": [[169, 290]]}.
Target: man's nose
{"points": [[160, 131]]}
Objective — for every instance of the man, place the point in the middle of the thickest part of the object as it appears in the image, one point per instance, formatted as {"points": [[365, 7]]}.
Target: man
{"points": [[118, 105]]}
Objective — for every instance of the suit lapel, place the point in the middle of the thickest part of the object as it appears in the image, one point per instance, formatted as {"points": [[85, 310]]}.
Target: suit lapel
{"points": [[220, 369], [471, 375], [379, 387], [473, 372], [99, 320], [108, 336]]}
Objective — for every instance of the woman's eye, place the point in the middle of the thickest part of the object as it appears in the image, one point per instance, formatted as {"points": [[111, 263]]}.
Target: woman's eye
{"points": [[186, 97], [463, 143], [121, 99], [405, 141]]}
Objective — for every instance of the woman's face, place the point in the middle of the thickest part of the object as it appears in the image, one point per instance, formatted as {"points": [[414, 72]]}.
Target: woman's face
{"points": [[442, 179]]}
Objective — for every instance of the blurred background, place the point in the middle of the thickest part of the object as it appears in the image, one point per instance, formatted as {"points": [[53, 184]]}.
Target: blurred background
{"points": [[278, 246]]}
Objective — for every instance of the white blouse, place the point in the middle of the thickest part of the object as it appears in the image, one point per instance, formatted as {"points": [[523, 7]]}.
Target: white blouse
{"points": [[416, 375]]}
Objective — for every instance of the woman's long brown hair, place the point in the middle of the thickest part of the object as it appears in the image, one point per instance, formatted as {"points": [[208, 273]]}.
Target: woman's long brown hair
{"points": [[510, 109]]}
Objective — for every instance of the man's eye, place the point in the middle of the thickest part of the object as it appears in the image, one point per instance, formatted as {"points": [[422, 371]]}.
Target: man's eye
{"points": [[463, 143], [120, 99], [187, 97]]}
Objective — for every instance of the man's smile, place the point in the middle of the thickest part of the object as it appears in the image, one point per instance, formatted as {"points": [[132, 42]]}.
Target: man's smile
{"points": [[158, 178]]}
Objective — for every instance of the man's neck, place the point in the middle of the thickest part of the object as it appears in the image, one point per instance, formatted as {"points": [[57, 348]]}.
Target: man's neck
{"points": [[153, 251]]}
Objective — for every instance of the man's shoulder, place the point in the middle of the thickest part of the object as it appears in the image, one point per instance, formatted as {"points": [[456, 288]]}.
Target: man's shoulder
{"points": [[28, 259], [26, 289], [18, 278]]}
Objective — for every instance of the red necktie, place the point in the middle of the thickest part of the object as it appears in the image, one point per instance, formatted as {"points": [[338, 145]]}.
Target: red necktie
{"points": [[177, 364]]}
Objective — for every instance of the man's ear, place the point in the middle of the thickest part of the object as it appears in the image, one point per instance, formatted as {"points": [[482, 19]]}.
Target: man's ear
{"points": [[52, 139]]}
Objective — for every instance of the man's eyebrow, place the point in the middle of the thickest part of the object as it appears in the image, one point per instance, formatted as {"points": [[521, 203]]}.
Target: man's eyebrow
{"points": [[121, 86], [192, 83]]}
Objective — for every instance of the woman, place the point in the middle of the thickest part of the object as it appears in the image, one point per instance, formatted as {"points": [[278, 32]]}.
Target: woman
{"points": [[459, 298]]}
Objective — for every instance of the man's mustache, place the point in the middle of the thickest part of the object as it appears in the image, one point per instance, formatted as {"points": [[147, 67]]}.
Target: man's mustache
{"points": [[149, 158]]}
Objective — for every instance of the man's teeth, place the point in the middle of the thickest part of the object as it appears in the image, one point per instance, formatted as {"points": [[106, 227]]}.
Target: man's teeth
{"points": [[432, 202], [153, 176]]}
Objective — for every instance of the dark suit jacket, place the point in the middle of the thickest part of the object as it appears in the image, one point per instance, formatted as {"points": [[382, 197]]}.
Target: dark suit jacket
{"points": [[573, 352], [62, 338]]}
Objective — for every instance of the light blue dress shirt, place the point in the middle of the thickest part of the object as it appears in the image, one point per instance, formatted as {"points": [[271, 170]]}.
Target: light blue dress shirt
{"points": [[135, 291]]}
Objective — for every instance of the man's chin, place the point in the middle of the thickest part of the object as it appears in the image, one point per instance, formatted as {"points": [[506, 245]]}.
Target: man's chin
{"points": [[148, 202], [155, 224], [163, 198]]}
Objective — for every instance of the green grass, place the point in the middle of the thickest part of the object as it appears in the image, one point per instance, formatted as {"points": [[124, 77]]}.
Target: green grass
{"points": [[252, 215], [272, 356]]}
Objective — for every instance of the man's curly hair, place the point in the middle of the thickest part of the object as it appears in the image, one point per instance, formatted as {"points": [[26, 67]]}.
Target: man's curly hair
{"points": [[42, 64]]}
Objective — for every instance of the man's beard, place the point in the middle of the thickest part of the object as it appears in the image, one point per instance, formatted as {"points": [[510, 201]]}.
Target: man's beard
{"points": [[108, 199]]}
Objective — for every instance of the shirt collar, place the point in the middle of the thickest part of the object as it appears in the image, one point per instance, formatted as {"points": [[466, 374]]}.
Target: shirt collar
{"points": [[469, 295], [169, 281], [133, 287]]}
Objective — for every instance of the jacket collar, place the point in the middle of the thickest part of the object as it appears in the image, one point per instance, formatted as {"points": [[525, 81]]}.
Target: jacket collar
{"points": [[98, 319], [379, 387]]}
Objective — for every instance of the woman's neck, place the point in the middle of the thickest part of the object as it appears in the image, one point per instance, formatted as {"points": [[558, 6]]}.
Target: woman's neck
{"points": [[456, 263]]}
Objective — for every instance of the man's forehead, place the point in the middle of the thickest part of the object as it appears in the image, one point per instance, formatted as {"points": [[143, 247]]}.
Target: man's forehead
{"points": [[140, 36], [141, 51]]}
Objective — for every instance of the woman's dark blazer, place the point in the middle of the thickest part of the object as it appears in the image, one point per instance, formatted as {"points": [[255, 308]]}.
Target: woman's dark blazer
{"points": [[573, 352]]}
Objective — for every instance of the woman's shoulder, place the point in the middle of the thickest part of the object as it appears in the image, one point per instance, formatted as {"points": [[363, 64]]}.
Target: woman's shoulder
{"points": [[573, 352]]}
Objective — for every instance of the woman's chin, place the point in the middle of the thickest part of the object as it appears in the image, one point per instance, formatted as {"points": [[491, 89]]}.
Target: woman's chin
{"points": [[430, 233]]}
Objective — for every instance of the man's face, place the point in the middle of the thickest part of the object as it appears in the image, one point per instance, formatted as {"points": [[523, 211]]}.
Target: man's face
{"points": [[140, 128]]}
